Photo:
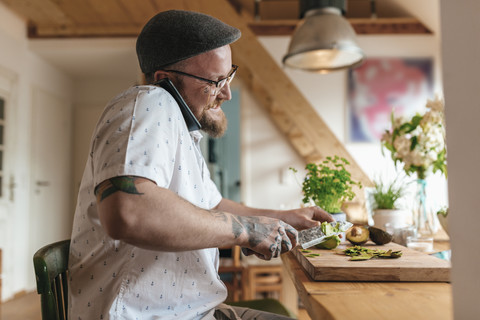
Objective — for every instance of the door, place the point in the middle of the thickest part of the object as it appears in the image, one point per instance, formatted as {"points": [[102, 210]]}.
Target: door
{"points": [[224, 153], [8, 210], [51, 212]]}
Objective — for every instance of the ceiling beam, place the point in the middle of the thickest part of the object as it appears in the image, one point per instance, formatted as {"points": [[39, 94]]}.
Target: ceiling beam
{"points": [[361, 26], [259, 28]]}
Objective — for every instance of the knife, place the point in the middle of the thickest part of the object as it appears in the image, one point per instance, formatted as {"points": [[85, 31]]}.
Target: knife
{"points": [[309, 237]]}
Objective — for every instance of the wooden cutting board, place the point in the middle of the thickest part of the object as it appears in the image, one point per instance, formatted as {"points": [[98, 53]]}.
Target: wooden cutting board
{"points": [[411, 266]]}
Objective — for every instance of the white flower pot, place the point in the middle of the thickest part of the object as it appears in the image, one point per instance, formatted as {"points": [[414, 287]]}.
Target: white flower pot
{"points": [[339, 216], [393, 218]]}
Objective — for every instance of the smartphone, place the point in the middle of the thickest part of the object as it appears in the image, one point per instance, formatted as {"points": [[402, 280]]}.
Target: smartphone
{"points": [[192, 122]]}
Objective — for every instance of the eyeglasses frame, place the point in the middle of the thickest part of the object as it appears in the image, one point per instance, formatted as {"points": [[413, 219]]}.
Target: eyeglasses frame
{"points": [[229, 77]]}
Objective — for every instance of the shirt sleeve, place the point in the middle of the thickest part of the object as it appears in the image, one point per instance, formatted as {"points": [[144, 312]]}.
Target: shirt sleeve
{"points": [[137, 136]]}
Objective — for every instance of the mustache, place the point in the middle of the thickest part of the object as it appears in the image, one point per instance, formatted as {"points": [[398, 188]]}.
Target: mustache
{"points": [[216, 102]]}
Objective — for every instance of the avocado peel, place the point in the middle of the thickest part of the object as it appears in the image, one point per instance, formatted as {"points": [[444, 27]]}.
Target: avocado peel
{"points": [[379, 236]]}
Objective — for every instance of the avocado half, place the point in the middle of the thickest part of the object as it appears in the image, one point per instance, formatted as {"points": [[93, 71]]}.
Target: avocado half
{"points": [[357, 235], [330, 242]]}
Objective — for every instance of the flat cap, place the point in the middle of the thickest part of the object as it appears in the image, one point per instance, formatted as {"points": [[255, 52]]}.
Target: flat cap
{"points": [[176, 35]]}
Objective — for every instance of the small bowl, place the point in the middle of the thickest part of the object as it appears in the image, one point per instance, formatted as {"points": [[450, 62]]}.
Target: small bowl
{"points": [[422, 244]]}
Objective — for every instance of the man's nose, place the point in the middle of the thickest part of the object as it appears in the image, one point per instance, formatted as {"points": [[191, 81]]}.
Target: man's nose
{"points": [[225, 93]]}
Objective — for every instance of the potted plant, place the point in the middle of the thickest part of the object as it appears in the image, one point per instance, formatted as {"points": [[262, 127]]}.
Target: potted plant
{"points": [[442, 218], [328, 185], [385, 204]]}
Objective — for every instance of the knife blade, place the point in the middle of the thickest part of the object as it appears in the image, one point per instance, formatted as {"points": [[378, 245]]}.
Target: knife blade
{"points": [[309, 237]]}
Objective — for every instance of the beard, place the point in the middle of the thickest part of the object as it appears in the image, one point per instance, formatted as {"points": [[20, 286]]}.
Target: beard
{"points": [[213, 123], [216, 125]]}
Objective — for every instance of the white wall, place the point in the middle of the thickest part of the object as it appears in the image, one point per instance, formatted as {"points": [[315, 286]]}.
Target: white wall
{"points": [[266, 157], [29, 71], [461, 51], [90, 97]]}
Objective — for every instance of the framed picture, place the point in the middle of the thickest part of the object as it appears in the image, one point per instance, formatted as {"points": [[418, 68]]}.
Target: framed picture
{"points": [[381, 85]]}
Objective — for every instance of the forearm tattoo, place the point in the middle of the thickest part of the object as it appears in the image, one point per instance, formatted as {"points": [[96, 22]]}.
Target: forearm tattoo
{"points": [[237, 227], [256, 231], [219, 215], [124, 183]]}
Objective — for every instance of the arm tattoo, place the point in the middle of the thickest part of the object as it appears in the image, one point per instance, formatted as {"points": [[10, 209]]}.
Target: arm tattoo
{"points": [[257, 232], [255, 229], [237, 227], [124, 183], [219, 215]]}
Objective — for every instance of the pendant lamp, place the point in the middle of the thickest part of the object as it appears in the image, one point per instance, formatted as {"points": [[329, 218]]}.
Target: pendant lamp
{"points": [[325, 40]]}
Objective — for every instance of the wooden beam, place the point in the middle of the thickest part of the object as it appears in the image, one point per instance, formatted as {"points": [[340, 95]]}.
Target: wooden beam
{"points": [[259, 28], [273, 27], [361, 26], [247, 9], [90, 31], [388, 25]]}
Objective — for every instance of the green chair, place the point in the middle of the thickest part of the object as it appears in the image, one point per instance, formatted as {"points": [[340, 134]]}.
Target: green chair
{"points": [[268, 305], [51, 271]]}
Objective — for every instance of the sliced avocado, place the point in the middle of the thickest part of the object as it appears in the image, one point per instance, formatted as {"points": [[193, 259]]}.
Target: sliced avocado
{"points": [[327, 228], [379, 236], [357, 235], [329, 243]]}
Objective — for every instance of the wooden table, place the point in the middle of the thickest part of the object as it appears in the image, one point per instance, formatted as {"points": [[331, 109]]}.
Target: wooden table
{"points": [[370, 300]]}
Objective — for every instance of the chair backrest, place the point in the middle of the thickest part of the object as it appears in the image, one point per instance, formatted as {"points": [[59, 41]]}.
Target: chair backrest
{"points": [[51, 271]]}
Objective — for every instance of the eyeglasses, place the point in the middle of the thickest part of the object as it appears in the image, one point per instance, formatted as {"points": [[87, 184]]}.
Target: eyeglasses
{"points": [[218, 85]]}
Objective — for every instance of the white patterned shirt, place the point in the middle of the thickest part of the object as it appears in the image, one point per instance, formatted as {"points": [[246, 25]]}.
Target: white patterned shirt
{"points": [[142, 133]]}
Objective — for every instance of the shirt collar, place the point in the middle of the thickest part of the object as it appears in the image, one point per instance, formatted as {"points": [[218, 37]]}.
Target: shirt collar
{"points": [[196, 135]]}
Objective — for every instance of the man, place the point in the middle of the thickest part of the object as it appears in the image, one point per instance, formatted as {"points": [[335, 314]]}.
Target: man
{"points": [[149, 219]]}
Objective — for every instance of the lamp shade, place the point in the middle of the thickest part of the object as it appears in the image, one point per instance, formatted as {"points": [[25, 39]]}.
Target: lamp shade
{"points": [[324, 42]]}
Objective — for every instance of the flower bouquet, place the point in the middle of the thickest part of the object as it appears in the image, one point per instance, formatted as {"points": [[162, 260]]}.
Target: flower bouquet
{"points": [[419, 143]]}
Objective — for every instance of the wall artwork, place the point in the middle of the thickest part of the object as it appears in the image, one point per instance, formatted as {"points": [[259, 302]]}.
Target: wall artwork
{"points": [[381, 85]]}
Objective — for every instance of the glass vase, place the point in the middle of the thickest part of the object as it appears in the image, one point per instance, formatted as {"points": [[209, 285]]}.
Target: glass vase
{"points": [[423, 218]]}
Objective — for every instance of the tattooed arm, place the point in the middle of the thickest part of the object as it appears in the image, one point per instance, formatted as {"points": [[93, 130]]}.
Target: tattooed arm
{"points": [[137, 211], [301, 218]]}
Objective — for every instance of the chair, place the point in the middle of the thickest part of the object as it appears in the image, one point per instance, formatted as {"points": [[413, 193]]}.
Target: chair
{"points": [[265, 280], [232, 272], [268, 305], [244, 281], [51, 271]]}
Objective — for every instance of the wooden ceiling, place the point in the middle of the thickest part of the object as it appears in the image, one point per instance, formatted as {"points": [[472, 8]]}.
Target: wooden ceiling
{"points": [[125, 18]]}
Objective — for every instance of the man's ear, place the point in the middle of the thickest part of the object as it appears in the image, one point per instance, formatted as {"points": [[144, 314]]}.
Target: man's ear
{"points": [[160, 74]]}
